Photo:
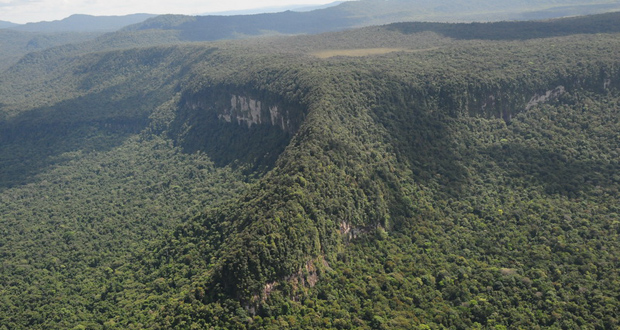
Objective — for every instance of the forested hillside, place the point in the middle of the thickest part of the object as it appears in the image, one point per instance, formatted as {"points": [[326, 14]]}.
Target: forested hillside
{"points": [[15, 44], [407, 176], [18, 40]]}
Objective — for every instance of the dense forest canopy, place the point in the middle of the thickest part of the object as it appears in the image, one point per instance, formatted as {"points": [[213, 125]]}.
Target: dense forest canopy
{"points": [[407, 176]]}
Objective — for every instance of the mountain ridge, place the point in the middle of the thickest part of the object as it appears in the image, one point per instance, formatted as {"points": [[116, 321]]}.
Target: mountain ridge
{"points": [[84, 23], [461, 179], [354, 14], [5, 24], [276, 9]]}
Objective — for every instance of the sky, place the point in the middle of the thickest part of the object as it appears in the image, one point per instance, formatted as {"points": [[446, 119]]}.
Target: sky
{"points": [[24, 11]]}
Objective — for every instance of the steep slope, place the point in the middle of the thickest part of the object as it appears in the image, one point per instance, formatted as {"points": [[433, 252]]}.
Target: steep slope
{"points": [[447, 182], [396, 145]]}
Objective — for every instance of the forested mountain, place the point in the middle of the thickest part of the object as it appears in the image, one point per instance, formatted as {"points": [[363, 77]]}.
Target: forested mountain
{"points": [[4, 24], [15, 44], [406, 176], [274, 9], [19, 40], [381, 12], [81, 31], [360, 13], [84, 23]]}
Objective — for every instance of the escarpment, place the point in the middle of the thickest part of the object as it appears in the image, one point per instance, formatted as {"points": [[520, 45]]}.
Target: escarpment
{"points": [[346, 152], [503, 98], [356, 168], [236, 125]]}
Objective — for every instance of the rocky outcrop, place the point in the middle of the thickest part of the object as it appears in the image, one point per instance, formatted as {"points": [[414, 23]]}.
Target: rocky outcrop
{"points": [[544, 97], [245, 110], [505, 100], [236, 125]]}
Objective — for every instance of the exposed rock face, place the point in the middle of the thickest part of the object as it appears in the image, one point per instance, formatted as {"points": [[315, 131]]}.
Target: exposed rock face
{"points": [[548, 95], [505, 108], [505, 100], [247, 111], [237, 125], [352, 232]]}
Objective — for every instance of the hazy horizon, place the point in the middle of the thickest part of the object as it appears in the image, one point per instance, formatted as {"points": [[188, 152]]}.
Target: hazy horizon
{"points": [[28, 11]]}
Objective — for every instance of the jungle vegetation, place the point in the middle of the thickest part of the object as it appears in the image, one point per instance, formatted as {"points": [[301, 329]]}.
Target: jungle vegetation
{"points": [[446, 176]]}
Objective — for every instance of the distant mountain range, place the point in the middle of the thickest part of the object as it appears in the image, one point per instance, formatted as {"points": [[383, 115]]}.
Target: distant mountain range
{"points": [[5, 24], [80, 23], [307, 19], [352, 14], [115, 32], [274, 9]]}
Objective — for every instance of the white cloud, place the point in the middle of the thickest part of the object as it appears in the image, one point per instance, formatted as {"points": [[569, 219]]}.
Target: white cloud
{"points": [[22, 11]]}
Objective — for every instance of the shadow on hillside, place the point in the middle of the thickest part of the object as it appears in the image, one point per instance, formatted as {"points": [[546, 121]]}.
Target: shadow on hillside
{"points": [[426, 141], [556, 173], [254, 148], [423, 138], [35, 140], [426, 138], [603, 23]]}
